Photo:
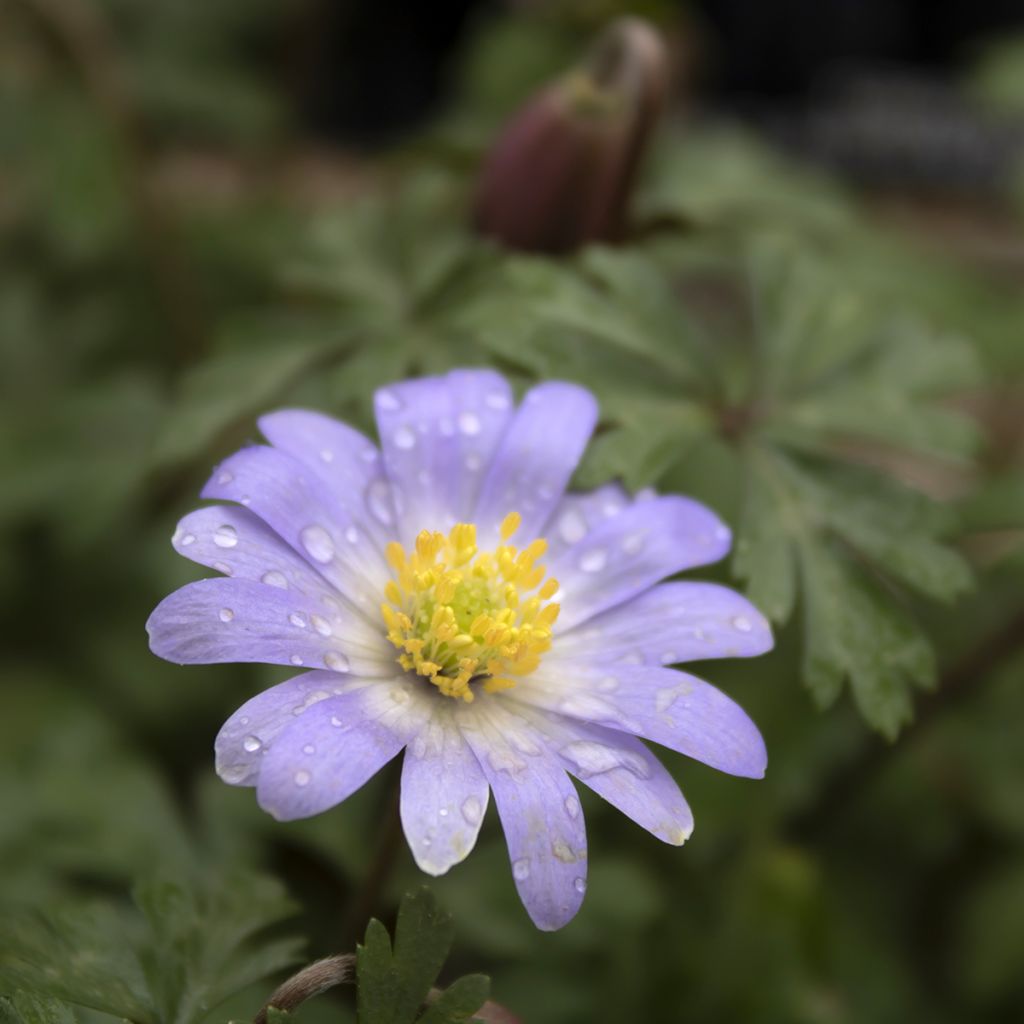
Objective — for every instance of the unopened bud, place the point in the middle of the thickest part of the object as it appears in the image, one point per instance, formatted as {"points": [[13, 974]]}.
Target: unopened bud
{"points": [[561, 173]]}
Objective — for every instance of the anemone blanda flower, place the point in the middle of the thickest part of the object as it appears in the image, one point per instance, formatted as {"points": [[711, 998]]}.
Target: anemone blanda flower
{"points": [[407, 582]]}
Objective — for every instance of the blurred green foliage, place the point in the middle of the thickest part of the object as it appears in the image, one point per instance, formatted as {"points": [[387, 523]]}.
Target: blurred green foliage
{"points": [[847, 395]]}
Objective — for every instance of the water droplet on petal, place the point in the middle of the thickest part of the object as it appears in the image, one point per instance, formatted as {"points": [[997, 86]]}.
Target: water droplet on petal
{"points": [[472, 810], [251, 744], [336, 662], [225, 536], [246, 500], [189, 538], [326, 455], [274, 579], [297, 620], [295, 659], [302, 778], [405, 437], [580, 885], [593, 758], [594, 560], [378, 500], [743, 624], [572, 526], [399, 696], [443, 812], [521, 870], [222, 567], [309, 749], [572, 807], [469, 423], [388, 401], [321, 625], [225, 615], [352, 535], [225, 477], [318, 544], [336, 721], [633, 543]]}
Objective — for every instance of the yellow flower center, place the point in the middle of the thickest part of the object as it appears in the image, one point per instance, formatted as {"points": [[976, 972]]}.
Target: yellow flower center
{"points": [[462, 616]]}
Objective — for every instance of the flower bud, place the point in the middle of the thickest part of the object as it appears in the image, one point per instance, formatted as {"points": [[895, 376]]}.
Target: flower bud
{"points": [[561, 173]]}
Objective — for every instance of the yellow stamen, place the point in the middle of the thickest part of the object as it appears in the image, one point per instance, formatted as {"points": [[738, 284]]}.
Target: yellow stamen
{"points": [[460, 617]]}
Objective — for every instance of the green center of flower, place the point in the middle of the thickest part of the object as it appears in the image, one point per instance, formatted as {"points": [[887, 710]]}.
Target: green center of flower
{"points": [[461, 616]]}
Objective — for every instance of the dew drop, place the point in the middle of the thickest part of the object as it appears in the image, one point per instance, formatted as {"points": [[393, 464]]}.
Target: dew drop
{"points": [[572, 526], [378, 500], [223, 567], [472, 810], [274, 579], [302, 778], [743, 624], [388, 401], [405, 438], [633, 543], [295, 659], [309, 749], [336, 721], [572, 807], [399, 696], [225, 477], [580, 885], [521, 870], [225, 615], [594, 560], [251, 744], [469, 423], [318, 544], [326, 455], [225, 536], [321, 625], [443, 812], [336, 662], [246, 500], [593, 758], [352, 535], [189, 538], [244, 720], [297, 620]]}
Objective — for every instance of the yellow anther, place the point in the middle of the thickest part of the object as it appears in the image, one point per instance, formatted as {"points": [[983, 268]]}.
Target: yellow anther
{"points": [[458, 617], [510, 524]]}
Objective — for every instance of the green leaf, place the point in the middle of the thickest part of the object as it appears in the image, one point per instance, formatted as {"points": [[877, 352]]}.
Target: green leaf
{"points": [[25, 1008], [393, 987], [190, 948], [459, 1001]]}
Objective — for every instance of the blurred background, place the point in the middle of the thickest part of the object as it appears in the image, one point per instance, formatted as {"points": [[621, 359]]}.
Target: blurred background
{"points": [[800, 301]]}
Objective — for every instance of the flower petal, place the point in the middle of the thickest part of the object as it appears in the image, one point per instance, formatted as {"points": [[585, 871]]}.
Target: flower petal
{"points": [[345, 461], [439, 435], [444, 795], [632, 551], [620, 769], [579, 514], [537, 457], [669, 624], [298, 507], [235, 542], [667, 706], [224, 620], [547, 845], [252, 729], [323, 757]]}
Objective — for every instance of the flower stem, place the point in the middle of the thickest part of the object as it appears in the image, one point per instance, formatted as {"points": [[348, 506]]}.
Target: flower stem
{"points": [[385, 858]]}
